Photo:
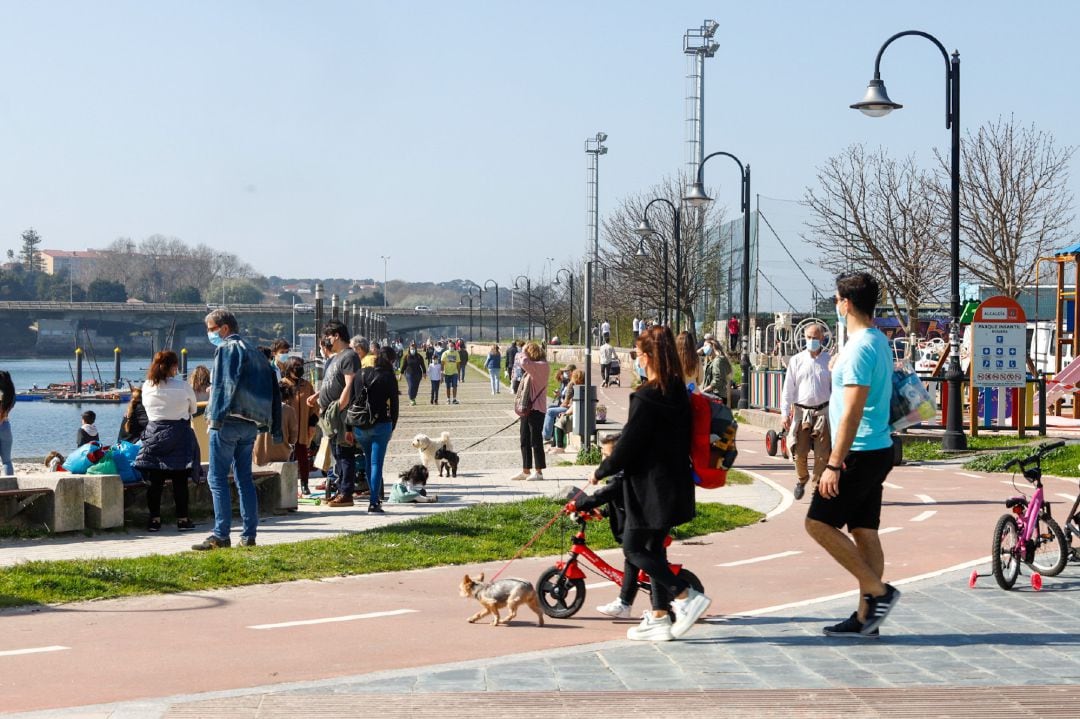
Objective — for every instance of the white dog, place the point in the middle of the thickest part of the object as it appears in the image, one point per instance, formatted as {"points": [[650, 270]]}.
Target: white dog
{"points": [[428, 446]]}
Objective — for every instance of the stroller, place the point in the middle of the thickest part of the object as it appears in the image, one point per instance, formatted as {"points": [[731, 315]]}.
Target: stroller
{"points": [[613, 373]]}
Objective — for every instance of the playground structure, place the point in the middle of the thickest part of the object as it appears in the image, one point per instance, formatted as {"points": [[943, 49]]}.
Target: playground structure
{"points": [[1066, 377]]}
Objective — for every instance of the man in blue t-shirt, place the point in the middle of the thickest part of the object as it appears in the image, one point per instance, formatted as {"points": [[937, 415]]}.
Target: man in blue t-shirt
{"points": [[849, 492]]}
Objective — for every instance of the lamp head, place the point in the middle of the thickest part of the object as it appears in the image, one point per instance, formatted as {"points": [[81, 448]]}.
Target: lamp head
{"points": [[641, 250], [876, 102], [644, 228], [696, 196]]}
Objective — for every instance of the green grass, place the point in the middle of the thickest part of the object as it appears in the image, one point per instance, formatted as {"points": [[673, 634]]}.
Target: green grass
{"points": [[1061, 462], [482, 533], [734, 476], [930, 449]]}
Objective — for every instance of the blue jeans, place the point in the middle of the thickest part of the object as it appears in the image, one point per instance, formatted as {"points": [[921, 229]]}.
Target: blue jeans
{"points": [[344, 468], [5, 447], [549, 421], [493, 375], [230, 447], [461, 372], [375, 442]]}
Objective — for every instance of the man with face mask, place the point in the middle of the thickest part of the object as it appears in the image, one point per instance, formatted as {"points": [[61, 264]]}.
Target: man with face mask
{"points": [[804, 406]]}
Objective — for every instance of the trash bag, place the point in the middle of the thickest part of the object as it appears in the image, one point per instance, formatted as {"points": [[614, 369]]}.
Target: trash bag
{"points": [[123, 457], [107, 465], [79, 461]]}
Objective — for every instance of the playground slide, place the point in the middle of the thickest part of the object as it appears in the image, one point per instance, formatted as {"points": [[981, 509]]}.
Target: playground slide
{"points": [[1065, 382]]}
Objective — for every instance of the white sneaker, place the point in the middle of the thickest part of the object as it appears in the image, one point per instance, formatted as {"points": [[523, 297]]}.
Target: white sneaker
{"points": [[535, 477], [687, 611], [616, 609], [651, 629], [520, 476]]}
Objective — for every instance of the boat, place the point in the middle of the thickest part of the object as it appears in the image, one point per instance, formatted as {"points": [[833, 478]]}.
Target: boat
{"points": [[90, 397]]}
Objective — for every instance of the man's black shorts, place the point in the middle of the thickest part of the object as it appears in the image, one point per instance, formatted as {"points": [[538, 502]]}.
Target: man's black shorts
{"points": [[859, 503]]}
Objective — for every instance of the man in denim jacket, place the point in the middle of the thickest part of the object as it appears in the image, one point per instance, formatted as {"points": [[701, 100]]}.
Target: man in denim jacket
{"points": [[244, 400]]}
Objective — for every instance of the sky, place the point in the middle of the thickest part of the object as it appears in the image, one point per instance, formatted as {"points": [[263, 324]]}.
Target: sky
{"points": [[312, 138]]}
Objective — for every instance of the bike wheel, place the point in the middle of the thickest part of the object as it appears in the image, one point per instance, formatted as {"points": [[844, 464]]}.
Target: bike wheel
{"points": [[1051, 552], [1004, 559], [560, 597], [692, 580]]}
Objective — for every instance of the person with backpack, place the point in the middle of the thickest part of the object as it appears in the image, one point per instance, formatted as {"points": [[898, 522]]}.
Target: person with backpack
{"points": [[653, 453], [530, 404], [376, 387]]}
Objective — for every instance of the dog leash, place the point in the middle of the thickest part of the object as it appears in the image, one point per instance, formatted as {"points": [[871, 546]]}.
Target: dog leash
{"points": [[485, 439], [539, 533]]}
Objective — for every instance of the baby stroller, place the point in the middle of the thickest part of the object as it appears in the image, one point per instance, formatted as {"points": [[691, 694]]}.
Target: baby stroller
{"points": [[613, 373]]}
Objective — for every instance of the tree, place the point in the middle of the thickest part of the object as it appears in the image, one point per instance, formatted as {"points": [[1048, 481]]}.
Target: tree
{"points": [[186, 295], [1015, 203], [874, 214], [30, 254], [106, 291], [634, 282], [242, 293]]}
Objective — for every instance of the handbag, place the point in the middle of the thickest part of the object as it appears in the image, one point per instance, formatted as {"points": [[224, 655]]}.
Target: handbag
{"points": [[911, 403], [323, 457]]}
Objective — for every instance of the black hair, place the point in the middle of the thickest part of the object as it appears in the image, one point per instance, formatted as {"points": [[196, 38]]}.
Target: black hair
{"points": [[7, 393], [89, 416], [385, 358], [860, 289], [335, 328]]}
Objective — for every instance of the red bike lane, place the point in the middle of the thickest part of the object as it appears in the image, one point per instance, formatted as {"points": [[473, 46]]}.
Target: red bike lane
{"points": [[934, 518]]}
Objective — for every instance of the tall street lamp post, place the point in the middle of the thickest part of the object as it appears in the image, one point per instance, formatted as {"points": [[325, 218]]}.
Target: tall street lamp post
{"points": [[493, 282], [528, 302], [876, 103], [385, 261], [697, 197], [645, 229], [460, 299], [570, 280]]}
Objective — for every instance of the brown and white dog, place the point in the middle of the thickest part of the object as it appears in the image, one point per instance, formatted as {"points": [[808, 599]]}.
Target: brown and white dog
{"points": [[427, 447], [493, 596]]}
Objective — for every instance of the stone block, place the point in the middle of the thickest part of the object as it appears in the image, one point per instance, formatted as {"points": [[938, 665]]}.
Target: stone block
{"points": [[63, 510], [284, 498], [103, 501]]}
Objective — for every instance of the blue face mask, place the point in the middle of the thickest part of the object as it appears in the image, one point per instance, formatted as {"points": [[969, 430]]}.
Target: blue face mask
{"points": [[707, 350], [813, 344], [215, 339], [840, 319]]}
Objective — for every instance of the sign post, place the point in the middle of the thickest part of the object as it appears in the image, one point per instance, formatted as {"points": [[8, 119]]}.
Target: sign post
{"points": [[998, 351]]}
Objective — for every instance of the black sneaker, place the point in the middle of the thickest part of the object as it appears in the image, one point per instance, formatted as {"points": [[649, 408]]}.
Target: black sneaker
{"points": [[879, 607], [800, 489], [185, 525], [247, 541], [375, 509], [154, 525], [212, 542], [850, 627]]}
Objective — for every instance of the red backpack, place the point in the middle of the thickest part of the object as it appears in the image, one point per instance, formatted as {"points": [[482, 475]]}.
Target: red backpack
{"points": [[712, 440]]}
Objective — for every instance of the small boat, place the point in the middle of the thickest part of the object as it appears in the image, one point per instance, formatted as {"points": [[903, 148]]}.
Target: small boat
{"points": [[91, 398]]}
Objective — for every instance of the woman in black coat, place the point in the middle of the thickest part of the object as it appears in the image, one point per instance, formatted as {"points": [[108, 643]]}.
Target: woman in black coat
{"points": [[414, 368], [654, 454]]}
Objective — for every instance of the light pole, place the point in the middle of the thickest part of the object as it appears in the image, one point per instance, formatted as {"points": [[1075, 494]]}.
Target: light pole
{"points": [[645, 229], [876, 103], [570, 279], [385, 261], [697, 197], [470, 310], [528, 301], [493, 282]]}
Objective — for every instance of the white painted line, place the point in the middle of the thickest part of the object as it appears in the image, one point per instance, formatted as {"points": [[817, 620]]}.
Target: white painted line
{"points": [[1008, 482], [926, 499], [597, 585], [934, 469], [1070, 497], [969, 474], [890, 485], [331, 620], [924, 515], [765, 558], [32, 650], [852, 593], [889, 530], [786, 497], [748, 451]]}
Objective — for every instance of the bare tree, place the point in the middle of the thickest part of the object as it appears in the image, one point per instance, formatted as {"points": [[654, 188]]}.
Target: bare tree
{"points": [[873, 213], [156, 267], [1015, 202], [635, 283]]}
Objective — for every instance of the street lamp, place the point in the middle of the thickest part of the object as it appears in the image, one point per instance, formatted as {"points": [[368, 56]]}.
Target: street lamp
{"points": [[470, 310], [570, 279], [385, 260], [697, 197], [876, 103], [493, 282], [528, 301], [645, 229]]}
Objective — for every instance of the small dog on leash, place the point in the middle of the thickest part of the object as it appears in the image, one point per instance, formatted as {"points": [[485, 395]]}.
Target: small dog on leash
{"points": [[447, 460], [493, 596], [427, 447]]}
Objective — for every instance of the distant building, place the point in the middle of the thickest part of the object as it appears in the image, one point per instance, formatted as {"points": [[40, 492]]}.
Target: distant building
{"points": [[80, 265]]}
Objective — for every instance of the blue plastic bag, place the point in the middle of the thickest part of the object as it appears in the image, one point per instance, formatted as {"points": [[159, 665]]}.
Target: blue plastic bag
{"points": [[123, 458], [81, 459]]}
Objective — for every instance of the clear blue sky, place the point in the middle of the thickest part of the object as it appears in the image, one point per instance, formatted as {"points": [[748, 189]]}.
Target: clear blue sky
{"points": [[312, 137]]}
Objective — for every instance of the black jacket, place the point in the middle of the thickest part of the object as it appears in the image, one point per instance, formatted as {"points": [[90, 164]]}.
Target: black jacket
{"points": [[654, 452], [131, 427], [413, 364], [382, 393], [167, 444]]}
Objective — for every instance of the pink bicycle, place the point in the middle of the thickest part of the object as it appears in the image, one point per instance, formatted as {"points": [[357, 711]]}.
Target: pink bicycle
{"points": [[1028, 534]]}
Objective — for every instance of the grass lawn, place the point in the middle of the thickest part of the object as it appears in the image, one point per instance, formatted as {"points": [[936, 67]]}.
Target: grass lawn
{"points": [[930, 449], [482, 533], [1061, 462]]}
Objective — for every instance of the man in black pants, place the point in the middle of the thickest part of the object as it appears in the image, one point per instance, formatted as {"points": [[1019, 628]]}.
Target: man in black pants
{"points": [[851, 485]]}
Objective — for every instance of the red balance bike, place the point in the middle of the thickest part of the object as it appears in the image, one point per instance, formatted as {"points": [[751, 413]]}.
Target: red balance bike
{"points": [[561, 588]]}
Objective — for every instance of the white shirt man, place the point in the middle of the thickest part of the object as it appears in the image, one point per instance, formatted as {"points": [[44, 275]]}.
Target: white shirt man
{"points": [[804, 407], [605, 331]]}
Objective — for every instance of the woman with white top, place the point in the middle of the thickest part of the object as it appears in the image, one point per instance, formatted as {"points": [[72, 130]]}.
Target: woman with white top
{"points": [[168, 447]]}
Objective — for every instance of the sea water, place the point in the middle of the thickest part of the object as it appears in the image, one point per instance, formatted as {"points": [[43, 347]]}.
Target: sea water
{"points": [[39, 427]]}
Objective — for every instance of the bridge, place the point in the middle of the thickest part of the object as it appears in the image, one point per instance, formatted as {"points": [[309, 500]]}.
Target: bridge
{"points": [[161, 317]]}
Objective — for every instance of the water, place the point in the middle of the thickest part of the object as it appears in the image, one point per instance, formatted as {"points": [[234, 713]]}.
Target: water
{"points": [[38, 428]]}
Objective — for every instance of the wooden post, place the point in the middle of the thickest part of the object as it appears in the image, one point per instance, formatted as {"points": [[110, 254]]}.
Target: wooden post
{"points": [[1020, 410]]}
